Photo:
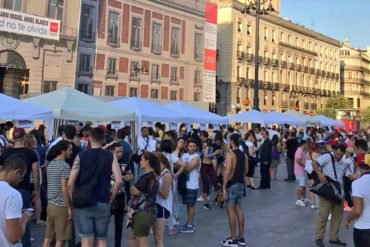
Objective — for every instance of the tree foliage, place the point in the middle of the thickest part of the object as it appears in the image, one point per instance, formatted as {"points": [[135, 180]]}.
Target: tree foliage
{"points": [[333, 103], [365, 117]]}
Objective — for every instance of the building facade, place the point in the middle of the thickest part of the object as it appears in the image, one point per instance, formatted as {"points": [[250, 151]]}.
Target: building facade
{"points": [[29, 64], [149, 49], [355, 75], [298, 67]]}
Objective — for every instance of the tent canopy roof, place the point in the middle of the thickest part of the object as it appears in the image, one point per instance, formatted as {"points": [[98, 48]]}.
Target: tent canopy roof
{"points": [[70, 104], [195, 114], [305, 118], [15, 109], [251, 116], [281, 118], [146, 110], [327, 121]]}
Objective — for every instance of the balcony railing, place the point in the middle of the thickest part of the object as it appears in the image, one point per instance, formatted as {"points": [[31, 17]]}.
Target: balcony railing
{"points": [[241, 81], [240, 55], [291, 66], [266, 61], [299, 67], [268, 85], [275, 62], [305, 69], [306, 105], [283, 64], [249, 57], [275, 86], [313, 106], [312, 70], [317, 72], [68, 31], [285, 103]]}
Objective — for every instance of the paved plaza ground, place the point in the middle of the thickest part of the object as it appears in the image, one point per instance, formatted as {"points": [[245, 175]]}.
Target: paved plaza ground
{"points": [[272, 220]]}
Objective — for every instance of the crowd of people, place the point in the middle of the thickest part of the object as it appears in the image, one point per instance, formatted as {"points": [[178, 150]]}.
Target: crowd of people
{"points": [[75, 183]]}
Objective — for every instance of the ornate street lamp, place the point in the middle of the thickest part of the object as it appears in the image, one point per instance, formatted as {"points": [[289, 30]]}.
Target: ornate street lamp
{"points": [[258, 8]]}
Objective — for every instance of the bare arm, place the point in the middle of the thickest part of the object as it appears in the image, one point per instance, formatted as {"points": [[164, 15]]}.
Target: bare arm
{"points": [[166, 185], [66, 197], [117, 178], [134, 191], [15, 228], [182, 165], [246, 164], [227, 170], [358, 204], [36, 176], [194, 163], [73, 176]]}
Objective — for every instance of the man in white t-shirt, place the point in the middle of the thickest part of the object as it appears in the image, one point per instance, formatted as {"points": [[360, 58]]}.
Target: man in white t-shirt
{"points": [[12, 220], [192, 161], [361, 208]]}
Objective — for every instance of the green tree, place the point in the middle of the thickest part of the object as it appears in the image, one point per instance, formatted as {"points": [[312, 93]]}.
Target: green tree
{"points": [[365, 117], [333, 103]]}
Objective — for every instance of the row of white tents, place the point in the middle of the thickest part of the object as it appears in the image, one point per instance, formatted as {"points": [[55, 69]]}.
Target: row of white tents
{"points": [[70, 104]]}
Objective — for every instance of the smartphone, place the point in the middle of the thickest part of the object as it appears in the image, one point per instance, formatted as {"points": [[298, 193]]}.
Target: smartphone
{"points": [[29, 211]]}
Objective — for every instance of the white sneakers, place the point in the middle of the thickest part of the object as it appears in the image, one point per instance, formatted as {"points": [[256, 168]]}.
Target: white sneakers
{"points": [[300, 203], [313, 207], [303, 202]]}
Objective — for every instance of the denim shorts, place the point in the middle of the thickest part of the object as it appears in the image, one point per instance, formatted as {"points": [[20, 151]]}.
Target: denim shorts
{"points": [[301, 180], [93, 221], [235, 194], [190, 198]]}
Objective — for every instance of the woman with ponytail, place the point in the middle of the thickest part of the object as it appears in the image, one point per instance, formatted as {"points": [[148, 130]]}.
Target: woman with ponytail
{"points": [[143, 203]]}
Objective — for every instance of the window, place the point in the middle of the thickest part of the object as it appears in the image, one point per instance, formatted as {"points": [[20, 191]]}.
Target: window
{"points": [[304, 43], [197, 80], [136, 34], [282, 37], [173, 95], [157, 38], [309, 45], [83, 87], [238, 95], [196, 96], [55, 9], [173, 74], [133, 69], [198, 47], [154, 93], [85, 63], [109, 90], [49, 86], [87, 22], [133, 92], [239, 26], [13, 5], [273, 35], [289, 39], [296, 41], [111, 69], [113, 28], [265, 98], [273, 99], [155, 72], [349, 75], [249, 29], [175, 42], [266, 33]]}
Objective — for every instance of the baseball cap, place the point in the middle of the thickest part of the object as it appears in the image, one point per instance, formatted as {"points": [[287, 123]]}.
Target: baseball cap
{"points": [[18, 133], [350, 150]]}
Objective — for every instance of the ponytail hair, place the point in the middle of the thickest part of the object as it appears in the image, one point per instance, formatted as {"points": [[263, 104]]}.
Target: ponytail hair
{"points": [[154, 162], [163, 160], [57, 149]]}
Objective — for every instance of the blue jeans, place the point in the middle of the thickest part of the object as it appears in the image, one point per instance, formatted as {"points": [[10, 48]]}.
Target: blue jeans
{"points": [[26, 198], [235, 194], [93, 221]]}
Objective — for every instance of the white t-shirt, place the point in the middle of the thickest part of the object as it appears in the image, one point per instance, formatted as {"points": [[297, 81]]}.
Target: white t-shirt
{"points": [[172, 159], [10, 208], [259, 137], [272, 133], [152, 146], [192, 183], [349, 170], [142, 144], [360, 188], [250, 144]]}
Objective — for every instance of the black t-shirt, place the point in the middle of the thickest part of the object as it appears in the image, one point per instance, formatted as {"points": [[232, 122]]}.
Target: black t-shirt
{"points": [[292, 145], [148, 186], [29, 156], [75, 150]]}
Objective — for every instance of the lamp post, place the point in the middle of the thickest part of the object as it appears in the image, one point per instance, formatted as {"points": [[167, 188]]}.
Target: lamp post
{"points": [[258, 7]]}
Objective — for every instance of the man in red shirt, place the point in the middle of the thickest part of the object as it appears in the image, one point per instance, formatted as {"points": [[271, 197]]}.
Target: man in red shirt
{"points": [[361, 150]]}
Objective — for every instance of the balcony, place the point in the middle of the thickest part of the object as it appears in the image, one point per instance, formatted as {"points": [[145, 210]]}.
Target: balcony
{"points": [[285, 104], [197, 82], [299, 67], [305, 69], [291, 66], [261, 85], [286, 87], [241, 81], [283, 64], [268, 85], [313, 106], [260, 60], [135, 45], [240, 55], [68, 32], [324, 92], [328, 74], [249, 57], [275, 86], [336, 76], [251, 83], [275, 63], [306, 105], [312, 71], [322, 73], [317, 72], [266, 61]]}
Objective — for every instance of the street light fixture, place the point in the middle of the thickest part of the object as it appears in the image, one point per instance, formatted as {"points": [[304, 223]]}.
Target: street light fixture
{"points": [[258, 8]]}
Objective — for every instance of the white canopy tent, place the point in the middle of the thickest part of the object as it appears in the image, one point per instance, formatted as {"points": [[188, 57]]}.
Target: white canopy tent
{"points": [[70, 104], [327, 121], [251, 116], [147, 111], [305, 118], [15, 109], [281, 118], [195, 114]]}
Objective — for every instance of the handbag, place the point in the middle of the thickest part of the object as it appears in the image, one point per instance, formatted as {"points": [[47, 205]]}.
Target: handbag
{"points": [[331, 190], [181, 183], [84, 196]]}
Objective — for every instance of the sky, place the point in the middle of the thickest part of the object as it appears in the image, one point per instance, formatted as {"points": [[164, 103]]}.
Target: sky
{"points": [[339, 19]]}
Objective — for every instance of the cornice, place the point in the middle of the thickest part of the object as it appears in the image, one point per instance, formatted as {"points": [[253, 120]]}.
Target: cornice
{"points": [[177, 6], [298, 48]]}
